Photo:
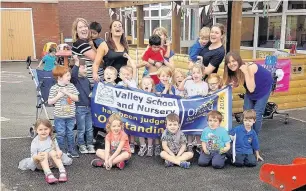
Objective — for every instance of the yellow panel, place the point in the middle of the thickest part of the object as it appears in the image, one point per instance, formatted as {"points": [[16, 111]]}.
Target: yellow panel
{"points": [[22, 34], [6, 42]]}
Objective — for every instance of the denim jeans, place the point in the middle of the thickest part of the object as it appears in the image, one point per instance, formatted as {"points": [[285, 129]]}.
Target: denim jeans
{"points": [[64, 128], [259, 106], [84, 125]]}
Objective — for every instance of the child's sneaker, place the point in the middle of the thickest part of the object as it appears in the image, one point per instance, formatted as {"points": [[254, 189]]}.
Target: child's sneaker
{"points": [[83, 149], [150, 151], [185, 164], [121, 165], [73, 153], [157, 150], [143, 149], [97, 163], [190, 148], [50, 178], [132, 146], [168, 164], [91, 149], [63, 177]]}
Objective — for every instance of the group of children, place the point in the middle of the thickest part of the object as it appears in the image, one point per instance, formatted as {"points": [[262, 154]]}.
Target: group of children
{"points": [[71, 98]]}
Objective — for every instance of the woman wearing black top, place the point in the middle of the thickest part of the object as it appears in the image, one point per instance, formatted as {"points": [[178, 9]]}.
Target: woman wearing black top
{"points": [[213, 53], [112, 51]]}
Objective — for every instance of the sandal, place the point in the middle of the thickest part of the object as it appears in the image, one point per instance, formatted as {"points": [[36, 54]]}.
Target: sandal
{"points": [[51, 180], [63, 177]]}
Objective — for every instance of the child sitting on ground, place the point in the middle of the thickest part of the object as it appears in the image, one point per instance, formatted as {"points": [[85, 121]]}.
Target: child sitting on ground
{"points": [[64, 95], [215, 142], [214, 83], [177, 79], [45, 153], [128, 74], [83, 111], [194, 85], [246, 141], [174, 144], [49, 60], [117, 149], [110, 75], [164, 86], [96, 40], [154, 53]]}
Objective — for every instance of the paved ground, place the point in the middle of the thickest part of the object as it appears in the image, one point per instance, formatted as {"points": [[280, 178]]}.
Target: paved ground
{"points": [[279, 143]]}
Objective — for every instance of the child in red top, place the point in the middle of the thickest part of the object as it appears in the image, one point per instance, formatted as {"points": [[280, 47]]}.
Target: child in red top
{"points": [[153, 57], [117, 148]]}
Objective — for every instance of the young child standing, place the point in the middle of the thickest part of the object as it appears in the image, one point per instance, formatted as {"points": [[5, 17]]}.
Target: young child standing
{"points": [[194, 85], [64, 95], [110, 75], [164, 86], [147, 85], [214, 83], [83, 111], [117, 149], [196, 48], [45, 153], [49, 60], [95, 29], [174, 144], [246, 141], [215, 142], [155, 53]]}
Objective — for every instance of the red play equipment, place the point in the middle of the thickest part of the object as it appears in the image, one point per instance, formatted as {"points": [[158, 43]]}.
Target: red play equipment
{"points": [[285, 177]]}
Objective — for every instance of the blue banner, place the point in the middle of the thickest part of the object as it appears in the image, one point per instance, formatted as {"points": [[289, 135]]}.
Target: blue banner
{"points": [[144, 113]]}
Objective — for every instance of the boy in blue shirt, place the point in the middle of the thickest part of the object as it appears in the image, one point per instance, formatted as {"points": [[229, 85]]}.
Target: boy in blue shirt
{"points": [[215, 142], [246, 141], [196, 48], [83, 111], [95, 29], [49, 60]]}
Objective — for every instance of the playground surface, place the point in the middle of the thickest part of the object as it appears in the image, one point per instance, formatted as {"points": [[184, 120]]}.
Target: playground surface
{"points": [[280, 144]]}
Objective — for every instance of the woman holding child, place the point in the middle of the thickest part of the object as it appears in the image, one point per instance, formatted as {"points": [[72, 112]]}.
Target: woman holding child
{"points": [[81, 46], [256, 80], [114, 51], [214, 52]]}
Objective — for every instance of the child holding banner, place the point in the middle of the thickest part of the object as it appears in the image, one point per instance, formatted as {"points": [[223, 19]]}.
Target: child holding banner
{"points": [[215, 142], [164, 86], [246, 141], [117, 149], [194, 85], [147, 84], [174, 144]]}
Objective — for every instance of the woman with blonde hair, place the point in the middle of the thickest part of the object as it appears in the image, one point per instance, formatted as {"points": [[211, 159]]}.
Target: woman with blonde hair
{"points": [[81, 46]]}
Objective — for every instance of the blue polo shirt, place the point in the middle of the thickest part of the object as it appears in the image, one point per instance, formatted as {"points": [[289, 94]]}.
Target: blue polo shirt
{"points": [[159, 88], [246, 142], [195, 50]]}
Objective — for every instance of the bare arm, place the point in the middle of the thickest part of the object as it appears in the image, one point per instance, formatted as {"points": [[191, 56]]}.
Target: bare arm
{"points": [[102, 49], [118, 151], [166, 148], [204, 147], [73, 97], [249, 71], [54, 100], [209, 69], [181, 87], [107, 149], [182, 150], [40, 63]]}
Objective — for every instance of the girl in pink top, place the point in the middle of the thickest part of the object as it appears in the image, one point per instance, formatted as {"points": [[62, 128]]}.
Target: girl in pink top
{"points": [[117, 148]]}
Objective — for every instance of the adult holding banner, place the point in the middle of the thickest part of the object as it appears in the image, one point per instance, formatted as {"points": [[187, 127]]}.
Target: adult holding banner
{"points": [[81, 46], [256, 80], [213, 52], [113, 51]]}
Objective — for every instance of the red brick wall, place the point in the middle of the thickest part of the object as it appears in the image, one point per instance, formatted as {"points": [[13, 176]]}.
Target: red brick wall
{"points": [[89, 10], [45, 21]]}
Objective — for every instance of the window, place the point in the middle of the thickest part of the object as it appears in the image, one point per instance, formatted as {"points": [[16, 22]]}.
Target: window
{"points": [[296, 5], [154, 24], [193, 33], [272, 6], [222, 21], [129, 27], [165, 12], [135, 29], [296, 31], [147, 29], [247, 31], [154, 13], [146, 13], [166, 4], [269, 31], [247, 6], [167, 25]]}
